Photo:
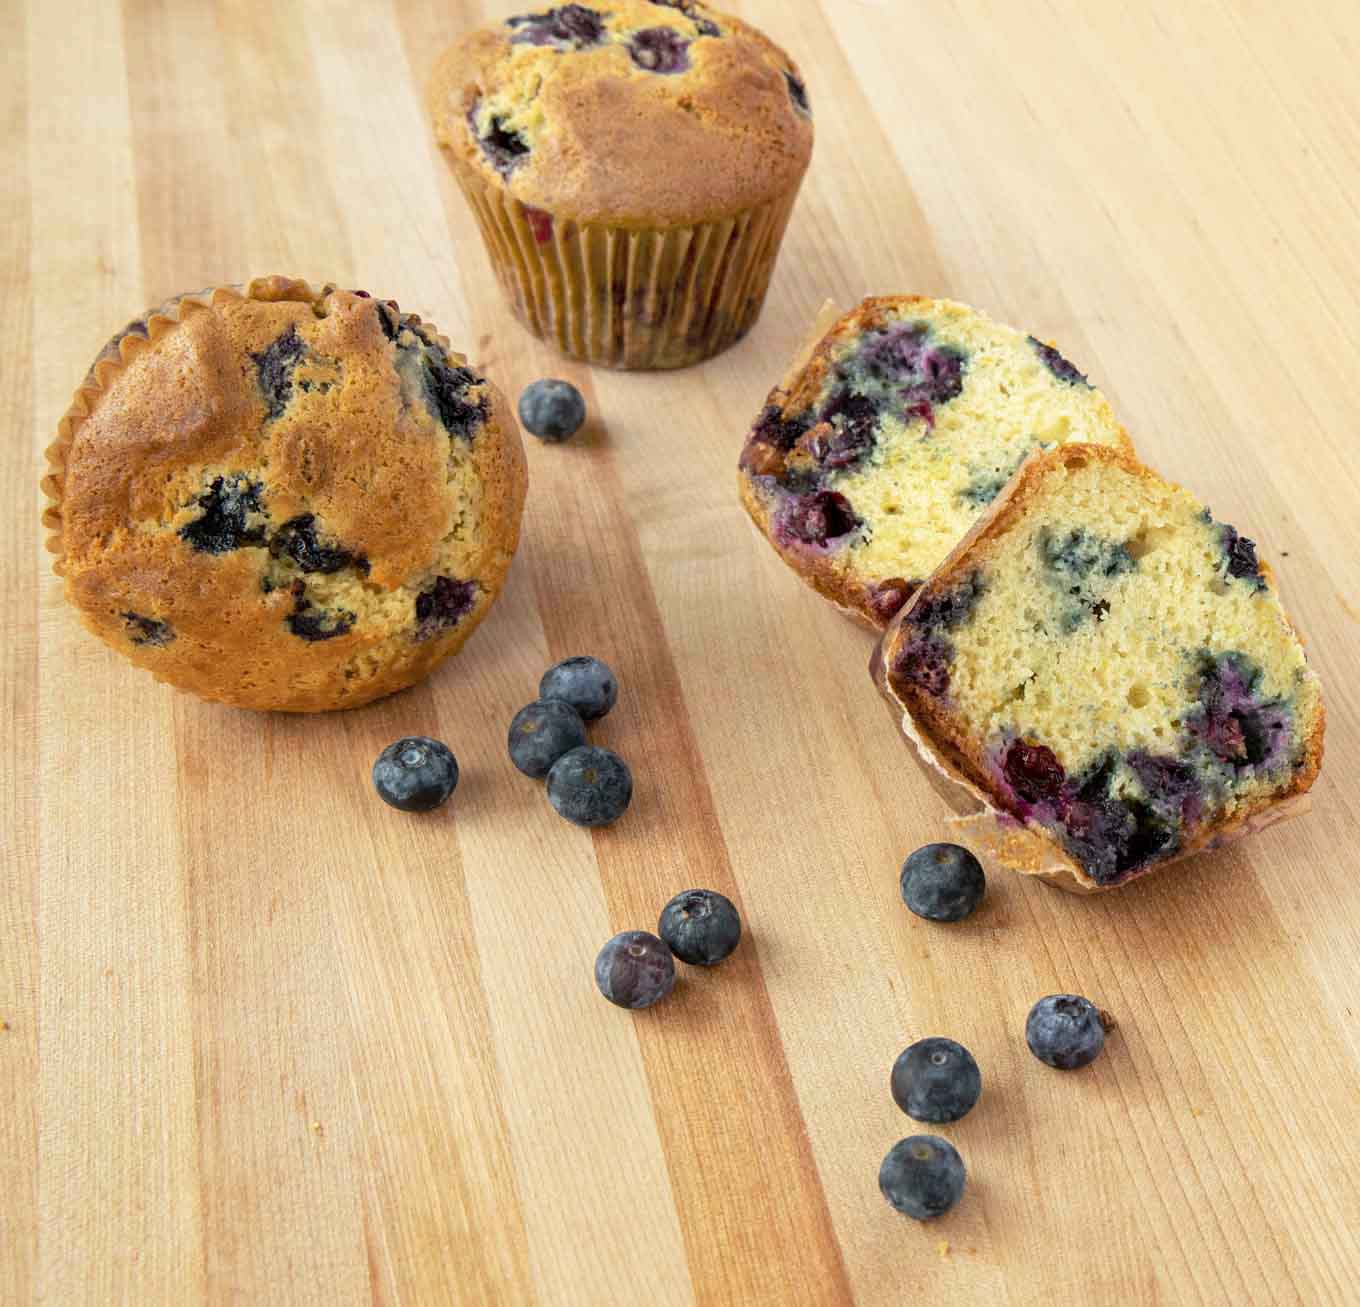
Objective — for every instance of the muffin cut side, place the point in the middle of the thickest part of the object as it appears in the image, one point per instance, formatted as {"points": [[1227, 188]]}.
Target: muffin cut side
{"points": [[869, 463], [1105, 664]]}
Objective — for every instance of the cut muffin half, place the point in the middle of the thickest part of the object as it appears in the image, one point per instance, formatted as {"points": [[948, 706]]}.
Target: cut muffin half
{"points": [[1109, 670], [875, 455]]}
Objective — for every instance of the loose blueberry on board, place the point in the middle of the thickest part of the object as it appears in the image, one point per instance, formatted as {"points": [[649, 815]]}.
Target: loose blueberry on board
{"points": [[1065, 1031], [415, 774], [541, 733], [552, 410], [700, 927], [635, 970], [942, 882], [922, 1176], [590, 786], [936, 1081], [585, 683]]}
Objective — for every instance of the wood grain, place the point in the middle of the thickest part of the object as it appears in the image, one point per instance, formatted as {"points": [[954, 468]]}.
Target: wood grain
{"points": [[264, 1040]]}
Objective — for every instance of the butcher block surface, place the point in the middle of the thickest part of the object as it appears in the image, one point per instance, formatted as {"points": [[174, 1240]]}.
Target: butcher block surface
{"points": [[264, 1040]]}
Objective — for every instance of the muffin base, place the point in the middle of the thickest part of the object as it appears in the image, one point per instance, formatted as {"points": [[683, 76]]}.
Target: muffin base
{"points": [[636, 298]]}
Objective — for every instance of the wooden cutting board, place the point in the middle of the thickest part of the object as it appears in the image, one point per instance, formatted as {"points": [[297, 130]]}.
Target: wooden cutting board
{"points": [[266, 1041]]}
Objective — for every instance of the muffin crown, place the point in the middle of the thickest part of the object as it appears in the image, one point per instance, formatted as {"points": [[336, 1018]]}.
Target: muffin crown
{"points": [[650, 112], [283, 496]]}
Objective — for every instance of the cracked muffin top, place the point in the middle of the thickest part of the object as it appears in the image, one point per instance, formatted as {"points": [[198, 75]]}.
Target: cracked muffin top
{"points": [[637, 111], [283, 497]]}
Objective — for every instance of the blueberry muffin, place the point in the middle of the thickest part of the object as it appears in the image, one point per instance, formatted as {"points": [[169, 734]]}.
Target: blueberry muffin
{"points": [[871, 459], [631, 167], [284, 498], [1110, 671]]}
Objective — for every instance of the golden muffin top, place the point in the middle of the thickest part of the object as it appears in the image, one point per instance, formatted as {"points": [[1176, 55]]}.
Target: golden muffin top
{"points": [[649, 112]]}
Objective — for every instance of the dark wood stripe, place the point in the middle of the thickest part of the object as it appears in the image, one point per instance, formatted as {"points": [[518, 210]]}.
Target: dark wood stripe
{"points": [[712, 1051]]}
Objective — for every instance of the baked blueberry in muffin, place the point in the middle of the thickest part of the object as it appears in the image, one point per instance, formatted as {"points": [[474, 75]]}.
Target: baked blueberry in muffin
{"points": [[284, 497], [870, 461], [1098, 667]]}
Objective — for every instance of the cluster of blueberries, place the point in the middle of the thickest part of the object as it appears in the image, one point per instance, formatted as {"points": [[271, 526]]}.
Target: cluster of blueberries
{"points": [[636, 969], [589, 786], [937, 1081]]}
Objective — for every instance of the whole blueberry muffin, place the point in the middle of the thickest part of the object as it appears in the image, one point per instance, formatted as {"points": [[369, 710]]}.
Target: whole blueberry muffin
{"points": [[281, 497], [631, 167], [871, 459], [1110, 671]]}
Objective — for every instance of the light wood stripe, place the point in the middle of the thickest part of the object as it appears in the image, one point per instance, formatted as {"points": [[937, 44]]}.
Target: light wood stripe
{"points": [[20, 561]]}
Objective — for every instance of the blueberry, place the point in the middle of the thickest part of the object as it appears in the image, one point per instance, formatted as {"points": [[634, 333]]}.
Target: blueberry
{"points": [[574, 26], [274, 367], [1065, 1031], [228, 505], [148, 630], [942, 882], [443, 605], [1059, 366], [590, 786], [503, 146], [660, 50], [798, 94], [936, 1080], [635, 970], [552, 410], [415, 774], [541, 733], [922, 1176], [297, 539], [700, 927], [585, 683]]}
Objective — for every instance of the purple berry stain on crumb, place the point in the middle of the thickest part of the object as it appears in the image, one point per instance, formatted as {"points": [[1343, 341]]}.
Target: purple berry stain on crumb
{"points": [[817, 519], [443, 605], [659, 50], [575, 27], [1057, 365], [924, 661], [1234, 722], [228, 505], [148, 630], [1034, 772], [887, 598]]}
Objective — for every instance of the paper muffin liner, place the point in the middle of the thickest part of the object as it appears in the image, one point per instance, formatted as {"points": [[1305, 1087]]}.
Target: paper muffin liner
{"points": [[629, 297]]}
